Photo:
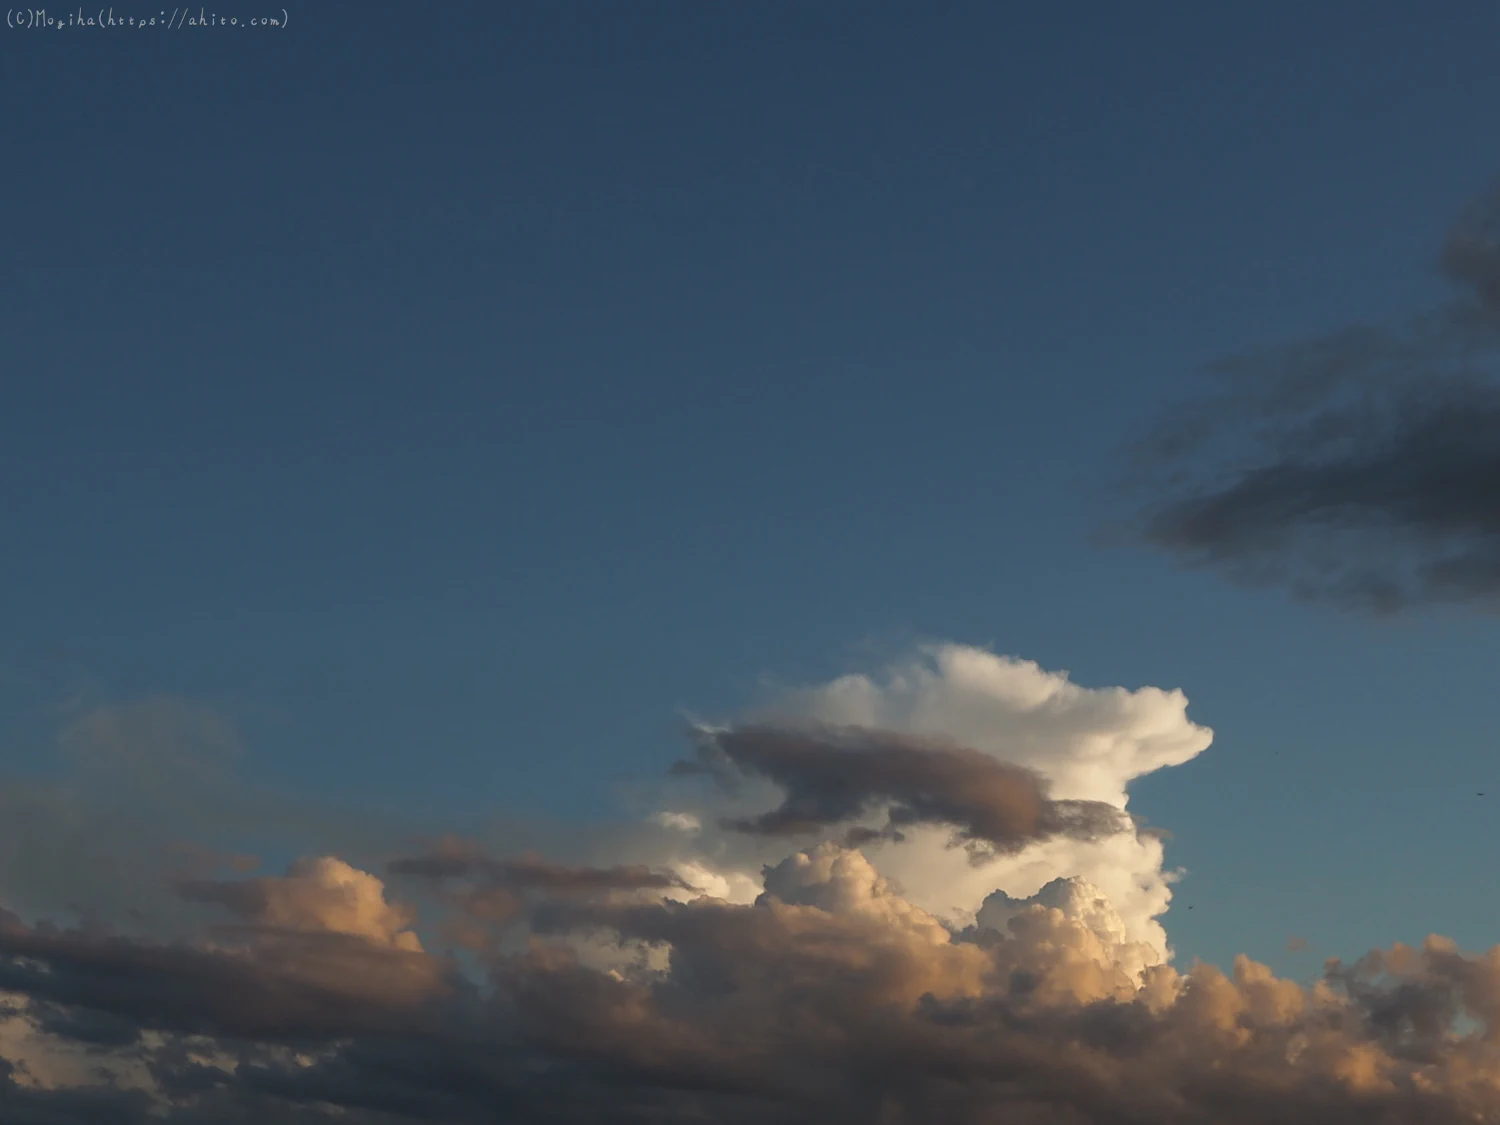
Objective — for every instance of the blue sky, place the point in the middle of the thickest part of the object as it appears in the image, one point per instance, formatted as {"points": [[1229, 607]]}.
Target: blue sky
{"points": [[455, 397]]}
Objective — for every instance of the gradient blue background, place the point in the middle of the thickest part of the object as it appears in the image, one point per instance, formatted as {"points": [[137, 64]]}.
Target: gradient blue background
{"points": [[453, 394]]}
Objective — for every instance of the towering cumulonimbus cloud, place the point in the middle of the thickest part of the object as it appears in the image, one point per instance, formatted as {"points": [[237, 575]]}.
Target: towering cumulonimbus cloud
{"points": [[956, 741], [1362, 468]]}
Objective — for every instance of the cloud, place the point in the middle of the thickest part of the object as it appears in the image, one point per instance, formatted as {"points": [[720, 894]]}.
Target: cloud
{"points": [[313, 951], [115, 831], [319, 895], [453, 858], [835, 776], [487, 900], [678, 981], [152, 787], [1362, 468], [680, 822], [286, 985], [1082, 919], [1086, 744], [1090, 743], [830, 998]]}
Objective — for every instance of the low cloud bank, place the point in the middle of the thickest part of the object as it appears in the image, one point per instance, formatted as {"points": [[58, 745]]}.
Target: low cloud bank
{"points": [[910, 897], [830, 998]]}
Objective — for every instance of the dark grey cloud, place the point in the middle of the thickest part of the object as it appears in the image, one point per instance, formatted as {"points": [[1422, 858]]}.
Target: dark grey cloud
{"points": [[92, 1028], [454, 858], [832, 776], [1362, 468], [485, 892], [291, 986], [107, 1104]]}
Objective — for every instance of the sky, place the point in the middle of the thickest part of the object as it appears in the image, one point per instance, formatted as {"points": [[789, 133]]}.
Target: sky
{"points": [[474, 472]]}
